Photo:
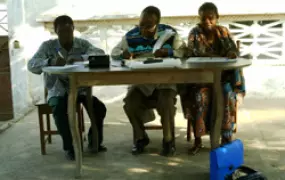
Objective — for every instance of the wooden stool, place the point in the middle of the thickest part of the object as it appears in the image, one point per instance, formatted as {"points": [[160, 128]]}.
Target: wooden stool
{"points": [[45, 110]]}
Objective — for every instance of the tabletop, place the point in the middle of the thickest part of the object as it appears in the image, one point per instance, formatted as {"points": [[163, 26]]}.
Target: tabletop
{"points": [[116, 68]]}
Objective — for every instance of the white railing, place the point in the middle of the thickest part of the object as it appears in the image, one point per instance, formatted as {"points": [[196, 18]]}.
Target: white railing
{"points": [[3, 22], [262, 36]]}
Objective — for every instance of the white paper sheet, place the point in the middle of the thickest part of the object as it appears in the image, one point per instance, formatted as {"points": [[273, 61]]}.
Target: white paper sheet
{"points": [[85, 57], [62, 67], [167, 63], [81, 63], [168, 33]]}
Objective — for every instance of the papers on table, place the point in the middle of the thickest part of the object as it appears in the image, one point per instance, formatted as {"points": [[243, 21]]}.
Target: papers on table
{"points": [[69, 66], [85, 57], [165, 63], [62, 67], [82, 63], [168, 33], [210, 60]]}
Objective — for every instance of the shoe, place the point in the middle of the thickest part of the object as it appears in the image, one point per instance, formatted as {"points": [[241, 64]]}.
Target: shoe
{"points": [[70, 155], [168, 149], [196, 147], [226, 140], [101, 148], [138, 148]]}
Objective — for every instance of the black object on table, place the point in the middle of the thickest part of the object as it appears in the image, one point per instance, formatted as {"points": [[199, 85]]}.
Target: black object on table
{"points": [[99, 61], [151, 60]]}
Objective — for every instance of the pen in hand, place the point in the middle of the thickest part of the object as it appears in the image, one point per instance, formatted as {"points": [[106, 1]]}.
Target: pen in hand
{"points": [[60, 61], [59, 53]]}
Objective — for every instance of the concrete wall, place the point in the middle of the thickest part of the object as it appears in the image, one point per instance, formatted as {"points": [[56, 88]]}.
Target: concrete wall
{"points": [[23, 27]]}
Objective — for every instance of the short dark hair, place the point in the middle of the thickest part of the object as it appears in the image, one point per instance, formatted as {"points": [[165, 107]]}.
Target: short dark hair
{"points": [[209, 6], [152, 10], [62, 20]]}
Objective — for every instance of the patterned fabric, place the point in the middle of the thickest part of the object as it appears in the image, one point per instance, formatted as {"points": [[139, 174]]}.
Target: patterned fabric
{"points": [[199, 45], [197, 111], [140, 45], [196, 98]]}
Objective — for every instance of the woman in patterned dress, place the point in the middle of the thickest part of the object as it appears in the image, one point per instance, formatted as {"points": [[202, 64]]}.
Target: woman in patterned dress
{"points": [[208, 39]]}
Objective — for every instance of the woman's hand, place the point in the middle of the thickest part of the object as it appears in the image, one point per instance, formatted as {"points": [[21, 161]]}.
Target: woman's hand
{"points": [[231, 55], [209, 55]]}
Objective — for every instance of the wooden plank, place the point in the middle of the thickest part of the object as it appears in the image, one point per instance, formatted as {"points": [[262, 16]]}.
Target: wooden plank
{"points": [[217, 111], [74, 125], [89, 79], [6, 102]]}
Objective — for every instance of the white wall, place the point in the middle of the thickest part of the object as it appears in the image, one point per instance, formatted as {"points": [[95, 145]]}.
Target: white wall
{"points": [[23, 27], [89, 8]]}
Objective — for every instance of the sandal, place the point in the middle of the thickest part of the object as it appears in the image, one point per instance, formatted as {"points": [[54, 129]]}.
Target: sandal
{"points": [[226, 140], [195, 149]]}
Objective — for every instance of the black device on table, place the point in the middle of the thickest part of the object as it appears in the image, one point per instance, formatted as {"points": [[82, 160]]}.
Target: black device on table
{"points": [[99, 61], [152, 60]]}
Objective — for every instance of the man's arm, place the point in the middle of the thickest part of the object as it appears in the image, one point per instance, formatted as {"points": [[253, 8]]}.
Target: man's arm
{"points": [[179, 47], [39, 60], [117, 51]]}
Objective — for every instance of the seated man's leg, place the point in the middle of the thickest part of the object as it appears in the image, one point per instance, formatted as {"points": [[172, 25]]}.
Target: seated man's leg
{"points": [[136, 110], [99, 110], [59, 111], [166, 99]]}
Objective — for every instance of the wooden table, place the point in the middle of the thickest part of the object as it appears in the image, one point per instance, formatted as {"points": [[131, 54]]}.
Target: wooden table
{"points": [[188, 73]]}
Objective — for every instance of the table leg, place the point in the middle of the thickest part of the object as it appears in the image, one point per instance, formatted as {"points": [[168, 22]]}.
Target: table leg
{"points": [[74, 125], [217, 110], [93, 120]]}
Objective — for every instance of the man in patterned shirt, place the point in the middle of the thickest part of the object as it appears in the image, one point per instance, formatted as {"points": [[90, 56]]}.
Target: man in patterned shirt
{"points": [[139, 42]]}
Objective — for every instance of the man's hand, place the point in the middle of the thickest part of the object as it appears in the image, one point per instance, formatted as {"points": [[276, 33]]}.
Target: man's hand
{"points": [[207, 54], [73, 60], [128, 55], [59, 62], [161, 52], [231, 55]]}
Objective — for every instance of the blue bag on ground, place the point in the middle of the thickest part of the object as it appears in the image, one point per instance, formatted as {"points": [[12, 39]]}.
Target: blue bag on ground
{"points": [[226, 159]]}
